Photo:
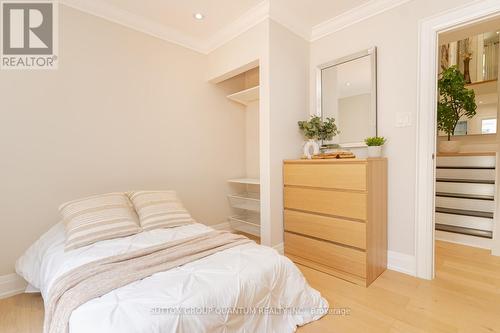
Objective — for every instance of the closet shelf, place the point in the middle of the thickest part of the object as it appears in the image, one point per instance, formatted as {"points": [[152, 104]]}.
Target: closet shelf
{"points": [[247, 181], [248, 201], [248, 223], [249, 219], [246, 96]]}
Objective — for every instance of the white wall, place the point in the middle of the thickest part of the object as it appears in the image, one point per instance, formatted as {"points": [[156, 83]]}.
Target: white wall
{"points": [[123, 111], [252, 140], [288, 82], [395, 33], [244, 49]]}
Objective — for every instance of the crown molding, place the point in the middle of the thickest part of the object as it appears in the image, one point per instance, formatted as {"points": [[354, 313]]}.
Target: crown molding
{"points": [[248, 20], [289, 20], [116, 15], [133, 21], [262, 11], [353, 16]]}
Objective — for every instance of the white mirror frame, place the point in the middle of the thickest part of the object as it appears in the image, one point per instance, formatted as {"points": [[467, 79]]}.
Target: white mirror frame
{"points": [[372, 53]]}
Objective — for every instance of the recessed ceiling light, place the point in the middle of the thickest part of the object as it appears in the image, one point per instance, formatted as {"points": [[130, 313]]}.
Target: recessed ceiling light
{"points": [[348, 84], [498, 32], [198, 16]]}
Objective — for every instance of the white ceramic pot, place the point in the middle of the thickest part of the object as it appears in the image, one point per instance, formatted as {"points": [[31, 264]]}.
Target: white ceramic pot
{"points": [[311, 147], [449, 147], [374, 151]]}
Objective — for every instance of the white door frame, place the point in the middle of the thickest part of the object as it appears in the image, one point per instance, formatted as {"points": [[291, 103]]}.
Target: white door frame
{"points": [[426, 121]]}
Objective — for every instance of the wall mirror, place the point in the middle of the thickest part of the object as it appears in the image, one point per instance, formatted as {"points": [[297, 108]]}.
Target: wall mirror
{"points": [[477, 57], [347, 91]]}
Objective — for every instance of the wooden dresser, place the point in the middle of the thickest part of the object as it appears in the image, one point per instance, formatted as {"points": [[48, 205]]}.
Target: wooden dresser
{"points": [[335, 216]]}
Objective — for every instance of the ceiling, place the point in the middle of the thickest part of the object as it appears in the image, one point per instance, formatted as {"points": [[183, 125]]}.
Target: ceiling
{"points": [[173, 20], [178, 14]]}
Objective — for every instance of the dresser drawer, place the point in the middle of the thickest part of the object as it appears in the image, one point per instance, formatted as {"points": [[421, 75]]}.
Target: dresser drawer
{"points": [[341, 176], [341, 258], [331, 202], [333, 229]]}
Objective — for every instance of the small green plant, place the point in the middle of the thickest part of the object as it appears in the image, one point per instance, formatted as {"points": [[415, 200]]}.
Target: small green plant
{"points": [[317, 129], [455, 101], [375, 141]]}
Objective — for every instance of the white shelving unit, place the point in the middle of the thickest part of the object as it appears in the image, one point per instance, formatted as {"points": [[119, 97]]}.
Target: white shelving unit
{"points": [[247, 205], [246, 181], [247, 201], [247, 222], [246, 96]]}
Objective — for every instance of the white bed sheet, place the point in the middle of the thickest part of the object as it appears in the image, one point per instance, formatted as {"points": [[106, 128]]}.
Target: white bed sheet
{"points": [[249, 279]]}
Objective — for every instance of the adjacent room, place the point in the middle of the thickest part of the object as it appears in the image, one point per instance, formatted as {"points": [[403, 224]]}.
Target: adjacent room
{"points": [[467, 140], [249, 166]]}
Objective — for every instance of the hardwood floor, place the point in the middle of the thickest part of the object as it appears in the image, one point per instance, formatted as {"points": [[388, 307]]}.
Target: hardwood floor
{"points": [[21, 314], [256, 239], [464, 298]]}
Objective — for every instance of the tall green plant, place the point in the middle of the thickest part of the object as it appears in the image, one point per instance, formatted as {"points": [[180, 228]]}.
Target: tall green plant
{"points": [[455, 101]]}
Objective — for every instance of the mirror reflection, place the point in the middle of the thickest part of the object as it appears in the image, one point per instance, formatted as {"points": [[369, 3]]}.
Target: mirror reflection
{"points": [[348, 94], [477, 59]]}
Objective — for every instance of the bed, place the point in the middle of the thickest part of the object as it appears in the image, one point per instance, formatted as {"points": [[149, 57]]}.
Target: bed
{"points": [[246, 288]]}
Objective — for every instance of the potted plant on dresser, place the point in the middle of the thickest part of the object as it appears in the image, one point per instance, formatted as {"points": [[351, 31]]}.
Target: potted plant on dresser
{"points": [[316, 129], [455, 102], [375, 144]]}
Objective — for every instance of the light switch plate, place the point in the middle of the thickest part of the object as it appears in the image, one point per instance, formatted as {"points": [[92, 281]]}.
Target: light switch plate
{"points": [[403, 119]]}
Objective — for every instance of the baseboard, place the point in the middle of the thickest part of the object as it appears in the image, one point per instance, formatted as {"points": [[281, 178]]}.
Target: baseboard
{"points": [[280, 248], [401, 262], [11, 284]]}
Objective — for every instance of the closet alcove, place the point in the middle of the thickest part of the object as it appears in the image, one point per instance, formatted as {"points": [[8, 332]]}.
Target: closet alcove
{"points": [[244, 197]]}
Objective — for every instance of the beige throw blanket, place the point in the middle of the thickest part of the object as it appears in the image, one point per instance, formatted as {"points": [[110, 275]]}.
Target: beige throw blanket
{"points": [[100, 277]]}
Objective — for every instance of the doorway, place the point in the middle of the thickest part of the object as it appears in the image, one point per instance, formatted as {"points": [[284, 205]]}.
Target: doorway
{"points": [[429, 30], [467, 112]]}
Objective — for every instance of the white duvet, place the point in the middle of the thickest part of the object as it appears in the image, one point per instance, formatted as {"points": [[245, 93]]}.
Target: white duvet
{"points": [[248, 288]]}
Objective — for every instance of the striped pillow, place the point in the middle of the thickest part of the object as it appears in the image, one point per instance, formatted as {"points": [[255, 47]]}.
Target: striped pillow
{"points": [[97, 218], [159, 209]]}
